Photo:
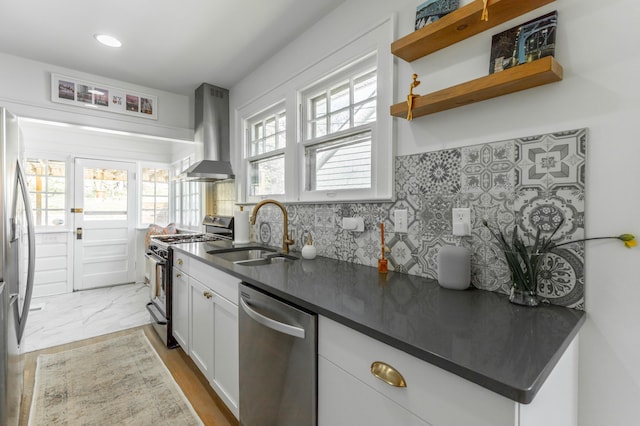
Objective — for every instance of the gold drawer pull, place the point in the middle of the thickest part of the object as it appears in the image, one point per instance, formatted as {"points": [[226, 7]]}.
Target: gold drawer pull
{"points": [[207, 295], [388, 374], [178, 275], [179, 261]]}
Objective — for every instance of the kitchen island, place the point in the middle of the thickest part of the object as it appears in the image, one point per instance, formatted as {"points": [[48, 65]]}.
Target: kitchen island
{"points": [[474, 334]]}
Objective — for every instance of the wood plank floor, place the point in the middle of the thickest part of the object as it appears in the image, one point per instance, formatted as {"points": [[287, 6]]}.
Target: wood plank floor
{"points": [[204, 400]]}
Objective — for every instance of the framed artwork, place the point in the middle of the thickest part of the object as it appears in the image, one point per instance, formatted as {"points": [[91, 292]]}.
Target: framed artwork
{"points": [[527, 42], [432, 10], [72, 91]]}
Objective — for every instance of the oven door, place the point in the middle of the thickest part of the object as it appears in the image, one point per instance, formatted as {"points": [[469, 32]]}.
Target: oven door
{"points": [[155, 273]]}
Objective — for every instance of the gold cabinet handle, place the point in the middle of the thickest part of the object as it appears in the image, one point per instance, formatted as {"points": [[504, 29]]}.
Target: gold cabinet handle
{"points": [[178, 275], [179, 261], [388, 374], [207, 295]]}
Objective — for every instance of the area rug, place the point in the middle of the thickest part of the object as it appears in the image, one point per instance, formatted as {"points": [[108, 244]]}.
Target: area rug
{"points": [[120, 381]]}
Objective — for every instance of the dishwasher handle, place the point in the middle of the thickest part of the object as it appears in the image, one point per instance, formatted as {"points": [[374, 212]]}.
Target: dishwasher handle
{"points": [[291, 330]]}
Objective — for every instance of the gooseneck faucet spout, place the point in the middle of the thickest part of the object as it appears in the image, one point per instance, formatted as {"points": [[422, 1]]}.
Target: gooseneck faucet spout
{"points": [[286, 241]]}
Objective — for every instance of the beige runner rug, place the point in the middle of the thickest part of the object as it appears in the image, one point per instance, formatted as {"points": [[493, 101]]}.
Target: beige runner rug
{"points": [[121, 381]]}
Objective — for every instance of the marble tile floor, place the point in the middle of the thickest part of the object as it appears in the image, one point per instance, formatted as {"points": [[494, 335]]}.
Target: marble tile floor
{"points": [[66, 318]]}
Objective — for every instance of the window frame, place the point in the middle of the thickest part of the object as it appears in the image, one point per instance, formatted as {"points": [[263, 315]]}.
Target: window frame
{"points": [[177, 212], [68, 196], [248, 123], [350, 71], [369, 43], [154, 165]]}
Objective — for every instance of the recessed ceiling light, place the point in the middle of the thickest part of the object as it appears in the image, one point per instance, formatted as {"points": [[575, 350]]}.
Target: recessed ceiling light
{"points": [[108, 40]]}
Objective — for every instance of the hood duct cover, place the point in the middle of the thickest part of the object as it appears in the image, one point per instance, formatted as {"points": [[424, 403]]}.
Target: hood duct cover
{"points": [[212, 130]]}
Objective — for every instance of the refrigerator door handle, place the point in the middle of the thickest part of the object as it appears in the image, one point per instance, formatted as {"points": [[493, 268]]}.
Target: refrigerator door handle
{"points": [[21, 184]]}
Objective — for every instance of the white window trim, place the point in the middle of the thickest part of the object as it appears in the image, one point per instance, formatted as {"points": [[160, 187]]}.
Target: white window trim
{"points": [[246, 158], [69, 179], [153, 165], [179, 165], [374, 40]]}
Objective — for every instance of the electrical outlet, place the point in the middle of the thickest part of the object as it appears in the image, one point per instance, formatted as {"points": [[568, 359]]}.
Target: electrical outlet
{"points": [[461, 222], [400, 216]]}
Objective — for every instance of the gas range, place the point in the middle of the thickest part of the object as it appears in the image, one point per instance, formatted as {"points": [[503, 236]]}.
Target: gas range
{"points": [[157, 272], [159, 244]]}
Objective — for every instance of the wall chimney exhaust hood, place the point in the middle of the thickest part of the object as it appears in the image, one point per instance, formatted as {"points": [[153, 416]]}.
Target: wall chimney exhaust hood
{"points": [[212, 130]]}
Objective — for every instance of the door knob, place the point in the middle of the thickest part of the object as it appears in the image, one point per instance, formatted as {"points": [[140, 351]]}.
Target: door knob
{"points": [[78, 233]]}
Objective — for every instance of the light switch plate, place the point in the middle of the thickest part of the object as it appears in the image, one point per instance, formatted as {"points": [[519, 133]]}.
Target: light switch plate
{"points": [[461, 221], [400, 220]]}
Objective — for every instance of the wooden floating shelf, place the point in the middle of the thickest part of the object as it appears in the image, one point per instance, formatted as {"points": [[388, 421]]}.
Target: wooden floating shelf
{"points": [[537, 73], [459, 25]]}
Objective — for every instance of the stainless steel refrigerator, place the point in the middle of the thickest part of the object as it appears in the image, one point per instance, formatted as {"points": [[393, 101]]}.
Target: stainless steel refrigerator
{"points": [[17, 263]]}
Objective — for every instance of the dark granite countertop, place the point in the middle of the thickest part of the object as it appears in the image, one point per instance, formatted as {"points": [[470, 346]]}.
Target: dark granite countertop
{"points": [[475, 334]]}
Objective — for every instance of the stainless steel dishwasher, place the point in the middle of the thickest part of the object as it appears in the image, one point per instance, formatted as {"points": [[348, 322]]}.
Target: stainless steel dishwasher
{"points": [[278, 362]]}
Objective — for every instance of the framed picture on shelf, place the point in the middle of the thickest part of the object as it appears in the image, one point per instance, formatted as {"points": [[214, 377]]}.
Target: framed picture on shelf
{"points": [[72, 91], [527, 42], [432, 10]]}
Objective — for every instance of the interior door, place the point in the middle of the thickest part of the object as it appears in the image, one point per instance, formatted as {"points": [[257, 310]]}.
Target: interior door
{"points": [[104, 220]]}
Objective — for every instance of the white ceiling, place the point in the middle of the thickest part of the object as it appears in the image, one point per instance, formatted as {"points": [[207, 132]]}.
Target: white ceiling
{"points": [[167, 45]]}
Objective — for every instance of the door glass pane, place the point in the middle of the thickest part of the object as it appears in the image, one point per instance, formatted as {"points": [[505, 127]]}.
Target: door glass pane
{"points": [[105, 194]]}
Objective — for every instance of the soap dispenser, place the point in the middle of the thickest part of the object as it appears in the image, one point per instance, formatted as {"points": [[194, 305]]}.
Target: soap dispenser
{"points": [[309, 250]]}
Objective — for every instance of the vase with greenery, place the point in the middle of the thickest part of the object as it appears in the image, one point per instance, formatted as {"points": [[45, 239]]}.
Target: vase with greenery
{"points": [[524, 260]]}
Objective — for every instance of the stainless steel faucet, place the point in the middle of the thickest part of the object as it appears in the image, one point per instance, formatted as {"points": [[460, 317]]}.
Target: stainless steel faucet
{"points": [[286, 241]]}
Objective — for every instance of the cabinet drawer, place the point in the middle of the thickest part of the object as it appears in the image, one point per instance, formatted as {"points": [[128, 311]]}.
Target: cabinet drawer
{"points": [[364, 405], [222, 283], [181, 261], [433, 394]]}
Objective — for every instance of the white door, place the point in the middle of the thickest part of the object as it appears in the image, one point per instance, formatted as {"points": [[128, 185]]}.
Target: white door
{"points": [[104, 220]]}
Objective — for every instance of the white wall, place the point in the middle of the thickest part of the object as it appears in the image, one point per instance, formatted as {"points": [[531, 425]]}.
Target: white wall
{"points": [[25, 88], [596, 45]]}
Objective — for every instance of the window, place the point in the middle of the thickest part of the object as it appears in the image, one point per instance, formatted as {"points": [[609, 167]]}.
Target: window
{"points": [[186, 201], [154, 206], [323, 134], [46, 181], [338, 115], [266, 142]]}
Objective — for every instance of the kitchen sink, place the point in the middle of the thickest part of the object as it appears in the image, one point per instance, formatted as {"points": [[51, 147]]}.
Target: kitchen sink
{"points": [[252, 255], [240, 254], [269, 259]]}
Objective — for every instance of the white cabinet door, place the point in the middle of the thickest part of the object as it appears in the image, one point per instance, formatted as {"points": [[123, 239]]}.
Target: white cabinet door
{"points": [[201, 347], [343, 400], [225, 372], [180, 308]]}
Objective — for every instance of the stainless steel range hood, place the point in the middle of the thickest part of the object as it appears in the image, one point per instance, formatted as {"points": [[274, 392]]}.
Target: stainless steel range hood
{"points": [[212, 130]]}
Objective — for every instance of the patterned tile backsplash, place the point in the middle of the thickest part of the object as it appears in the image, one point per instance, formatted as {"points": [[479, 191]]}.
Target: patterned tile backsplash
{"points": [[528, 183]]}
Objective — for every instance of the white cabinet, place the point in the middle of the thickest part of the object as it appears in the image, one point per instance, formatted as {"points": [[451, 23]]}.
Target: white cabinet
{"points": [[201, 348], [349, 393], [344, 400], [206, 324], [180, 303], [225, 371]]}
